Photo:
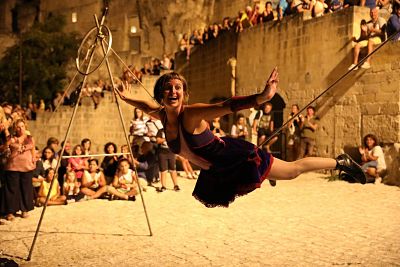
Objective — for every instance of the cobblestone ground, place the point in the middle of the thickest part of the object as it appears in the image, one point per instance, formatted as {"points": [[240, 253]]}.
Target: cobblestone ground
{"points": [[305, 222]]}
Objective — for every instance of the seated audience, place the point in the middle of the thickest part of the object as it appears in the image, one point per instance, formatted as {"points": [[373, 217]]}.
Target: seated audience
{"points": [[71, 187], [93, 181], [48, 159], [393, 24], [376, 35], [267, 14], [124, 185], [77, 164], [110, 163], [373, 159], [55, 197]]}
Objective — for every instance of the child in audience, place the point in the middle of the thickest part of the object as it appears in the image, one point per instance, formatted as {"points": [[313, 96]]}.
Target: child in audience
{"points": [[93, 181], [71, 187], [78, 164], [55, 197], [125, 149], [124, 185]]}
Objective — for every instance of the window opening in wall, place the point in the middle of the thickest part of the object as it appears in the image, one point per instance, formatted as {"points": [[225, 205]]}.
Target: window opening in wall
{"points": [[74, 17]]}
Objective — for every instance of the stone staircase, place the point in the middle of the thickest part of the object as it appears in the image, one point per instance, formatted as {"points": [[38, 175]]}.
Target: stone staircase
{"points": [[100, 125]]}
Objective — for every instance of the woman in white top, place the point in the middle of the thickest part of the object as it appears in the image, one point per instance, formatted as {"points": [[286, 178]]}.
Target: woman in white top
{"points": [[48, 158], [373, 159], [138, 129]]}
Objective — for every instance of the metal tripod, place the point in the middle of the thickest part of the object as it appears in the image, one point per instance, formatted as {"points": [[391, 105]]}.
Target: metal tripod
{"points": [[98, 38]]}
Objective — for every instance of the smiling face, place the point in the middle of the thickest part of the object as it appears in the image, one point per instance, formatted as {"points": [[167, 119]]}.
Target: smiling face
{"points": [[173, 94], [370, 142]]}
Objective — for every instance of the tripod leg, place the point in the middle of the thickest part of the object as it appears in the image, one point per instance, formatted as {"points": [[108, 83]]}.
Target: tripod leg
{"points": [[126, 138], [58, 164]]}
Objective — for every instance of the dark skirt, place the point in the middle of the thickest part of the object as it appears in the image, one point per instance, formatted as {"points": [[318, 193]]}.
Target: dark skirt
{"points": [[16, 193], [239, 167]]}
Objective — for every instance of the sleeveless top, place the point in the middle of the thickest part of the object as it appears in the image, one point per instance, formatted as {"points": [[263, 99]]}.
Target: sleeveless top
{"points": [[183, 146]]}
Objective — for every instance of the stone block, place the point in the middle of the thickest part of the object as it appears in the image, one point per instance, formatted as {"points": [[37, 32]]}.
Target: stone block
{"points": [[370, 109], [385, 127], [385, 97]]}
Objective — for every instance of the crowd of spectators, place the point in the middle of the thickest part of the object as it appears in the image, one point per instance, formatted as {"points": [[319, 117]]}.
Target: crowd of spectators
{"points": [[252, 16], [26, 172]]}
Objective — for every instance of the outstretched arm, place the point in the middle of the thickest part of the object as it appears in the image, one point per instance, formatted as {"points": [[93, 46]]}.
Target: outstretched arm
{"points": [[148, 106], [200, 112]]}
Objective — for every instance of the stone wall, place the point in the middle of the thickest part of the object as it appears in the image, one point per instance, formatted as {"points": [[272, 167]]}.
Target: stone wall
{"points": [[311, 55], [101, 125], [209, 71]]}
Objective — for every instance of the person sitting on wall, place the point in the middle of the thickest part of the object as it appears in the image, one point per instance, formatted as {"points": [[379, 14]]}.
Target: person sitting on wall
{"points": [[376, 35], [393, 24]]}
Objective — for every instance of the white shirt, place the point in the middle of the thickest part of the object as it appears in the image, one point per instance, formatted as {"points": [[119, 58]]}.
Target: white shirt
{"points": [[378, 152]]}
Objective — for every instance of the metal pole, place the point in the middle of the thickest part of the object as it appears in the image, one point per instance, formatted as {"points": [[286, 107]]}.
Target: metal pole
{"points": [[58, 161], [126, 137]]}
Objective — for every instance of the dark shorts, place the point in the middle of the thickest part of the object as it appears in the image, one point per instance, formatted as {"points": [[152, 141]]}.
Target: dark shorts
{"points": [[166, 161], [263, 131]]}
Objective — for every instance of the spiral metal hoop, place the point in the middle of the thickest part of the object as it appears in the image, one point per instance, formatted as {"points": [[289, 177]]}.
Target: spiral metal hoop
{"points": [[91, 47]]}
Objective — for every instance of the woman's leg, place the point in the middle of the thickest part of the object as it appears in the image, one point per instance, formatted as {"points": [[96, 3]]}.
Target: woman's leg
{"points": [[283, 170], [163, 178]]}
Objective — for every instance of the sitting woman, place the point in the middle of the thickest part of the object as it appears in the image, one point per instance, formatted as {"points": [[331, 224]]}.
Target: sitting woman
{"points": [[110, 163], [124, 185], [93, 181], [373, 159], [48, 158], [55, 197]]}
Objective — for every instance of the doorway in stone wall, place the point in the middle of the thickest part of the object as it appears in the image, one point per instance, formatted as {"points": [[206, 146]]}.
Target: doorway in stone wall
{"points": [[278, 149]]}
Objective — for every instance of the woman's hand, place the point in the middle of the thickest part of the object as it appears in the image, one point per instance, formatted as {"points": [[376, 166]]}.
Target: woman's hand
{"points": [[272, 85], [124, 90]]}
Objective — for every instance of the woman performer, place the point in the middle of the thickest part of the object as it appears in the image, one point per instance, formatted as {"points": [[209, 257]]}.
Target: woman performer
{"points": [[229, 167]]}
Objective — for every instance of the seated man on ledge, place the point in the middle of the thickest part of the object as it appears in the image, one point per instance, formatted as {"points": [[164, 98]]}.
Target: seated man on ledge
{"points": [[375, 29]]}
